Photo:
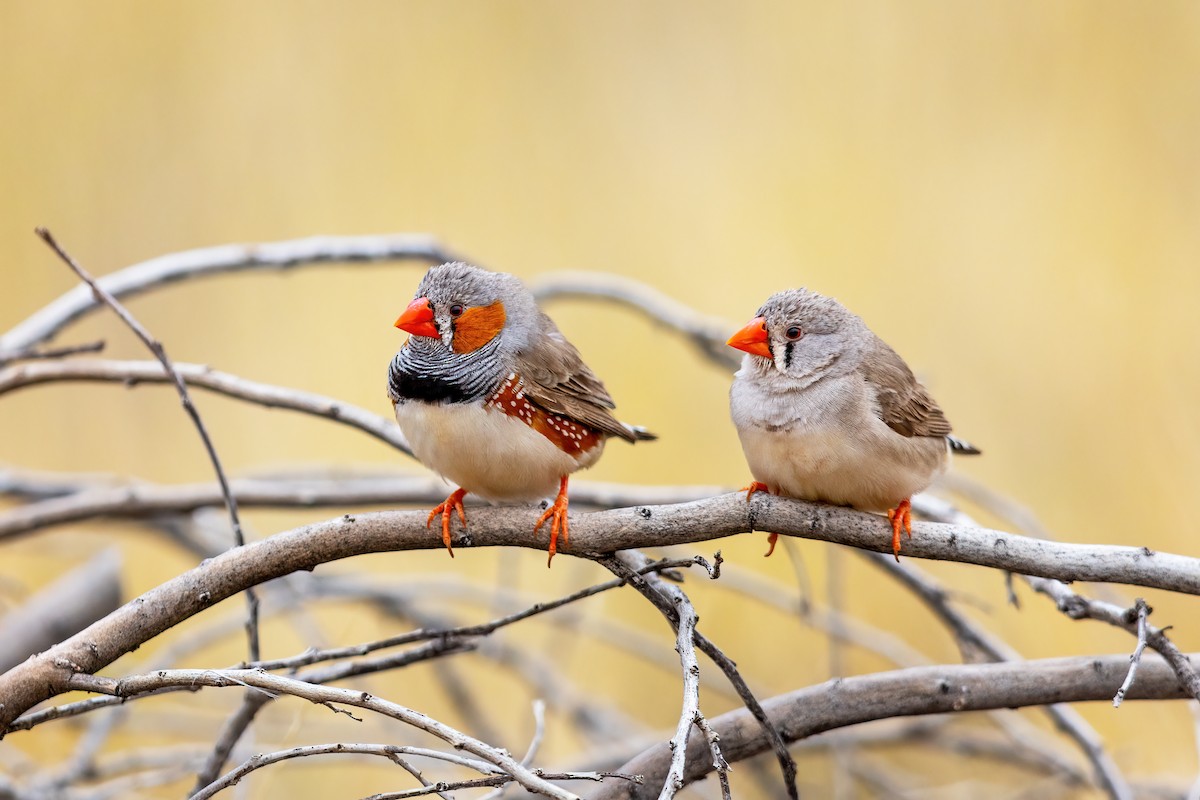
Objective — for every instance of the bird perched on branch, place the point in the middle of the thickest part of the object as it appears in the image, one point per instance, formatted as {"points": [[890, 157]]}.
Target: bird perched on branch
{"points": [[826, 411], [493, 397]]}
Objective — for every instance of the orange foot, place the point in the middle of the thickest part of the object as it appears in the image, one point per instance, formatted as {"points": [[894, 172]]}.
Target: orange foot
{"points": [[557, 514], [453, 503], [759, 486], [754, 486], [901, 517]]}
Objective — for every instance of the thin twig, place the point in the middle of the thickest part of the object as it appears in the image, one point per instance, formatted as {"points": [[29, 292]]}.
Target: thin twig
{"points": [[539, 731], [323, 695], [685, 630], [535, 744], [720, 765], [388, 751], [1135, 659], [1194, 790], [658, 593], [447, 640], [475, 783], [1076, 606], [160, 353], [228, 737], [707, 334], [132, 373], [461, 631], [54, 352]]}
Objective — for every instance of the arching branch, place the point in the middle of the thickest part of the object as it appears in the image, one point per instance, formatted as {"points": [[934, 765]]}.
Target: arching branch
{"points": [[601, 532], [907, 692], [156, 272]]}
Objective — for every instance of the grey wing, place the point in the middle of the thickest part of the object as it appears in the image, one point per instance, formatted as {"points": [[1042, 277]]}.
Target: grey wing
{"points": [[556, 379], [904, 404]]}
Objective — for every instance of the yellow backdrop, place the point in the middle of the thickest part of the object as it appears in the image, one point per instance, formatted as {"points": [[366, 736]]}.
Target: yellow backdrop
{"points": [[1009, 193]]}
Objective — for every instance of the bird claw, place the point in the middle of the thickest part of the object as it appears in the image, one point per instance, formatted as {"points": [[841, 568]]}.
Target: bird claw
{"points": [[754, 486], [759, 486], [557, 514], [771, 540], [452, 504], [901, 518]]}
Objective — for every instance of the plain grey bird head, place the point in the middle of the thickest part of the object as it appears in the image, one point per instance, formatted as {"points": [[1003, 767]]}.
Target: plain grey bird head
{"points": [[799, 336]]}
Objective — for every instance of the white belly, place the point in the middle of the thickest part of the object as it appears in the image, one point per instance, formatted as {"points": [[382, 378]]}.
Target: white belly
{"points": [[831, 467], [488, 453], [827, 444]]}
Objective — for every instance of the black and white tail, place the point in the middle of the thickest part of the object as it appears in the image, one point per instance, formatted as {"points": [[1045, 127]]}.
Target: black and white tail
{"points": [[962, 447]]}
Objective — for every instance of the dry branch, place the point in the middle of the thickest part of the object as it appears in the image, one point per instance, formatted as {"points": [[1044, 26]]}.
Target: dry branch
{"points": [[920, 690], [130, 373], [707, 333], [147, 499], [66, 606], [977, 643], [1133, 619], [600, 532], [914, 691], [189, 264], [389, 751], [160, 352], [673, 604], [323, 695]]}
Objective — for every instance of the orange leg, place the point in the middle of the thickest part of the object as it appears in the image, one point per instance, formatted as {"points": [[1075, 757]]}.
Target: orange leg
{"points": [[557, 514], [453, 503], [759, 486], [754, 486], [901, 517]]}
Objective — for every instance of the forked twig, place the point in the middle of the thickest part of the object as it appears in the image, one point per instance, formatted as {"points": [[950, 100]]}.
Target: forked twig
{"points": [[1135, 658]]}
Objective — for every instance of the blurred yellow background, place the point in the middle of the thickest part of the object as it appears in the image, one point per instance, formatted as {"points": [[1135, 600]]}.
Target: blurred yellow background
{"points": [[1008, 193]]}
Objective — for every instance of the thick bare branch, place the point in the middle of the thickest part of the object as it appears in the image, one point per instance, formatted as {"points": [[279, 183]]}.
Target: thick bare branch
{"points": [[920, 690], [66, 606], [600, 532], [977, 643], [135, 500]]}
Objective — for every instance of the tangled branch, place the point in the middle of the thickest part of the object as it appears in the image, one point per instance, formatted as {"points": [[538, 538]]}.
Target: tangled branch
{"points": [[632, 517]]}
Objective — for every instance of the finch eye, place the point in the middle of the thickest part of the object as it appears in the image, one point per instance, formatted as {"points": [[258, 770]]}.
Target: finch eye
{"points": [[793, 333], [456, 310]]}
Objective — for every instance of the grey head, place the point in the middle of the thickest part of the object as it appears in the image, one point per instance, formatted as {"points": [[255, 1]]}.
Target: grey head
{"points": [[467, 307], [798, 336], [466, 324]]}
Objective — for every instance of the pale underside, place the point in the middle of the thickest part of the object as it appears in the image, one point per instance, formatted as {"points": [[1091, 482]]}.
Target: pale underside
{"points": [[488, 453], [828, 444]]}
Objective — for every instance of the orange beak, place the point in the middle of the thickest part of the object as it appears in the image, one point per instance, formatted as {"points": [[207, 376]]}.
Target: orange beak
{"points": [[417, 319], [752, 338]]}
